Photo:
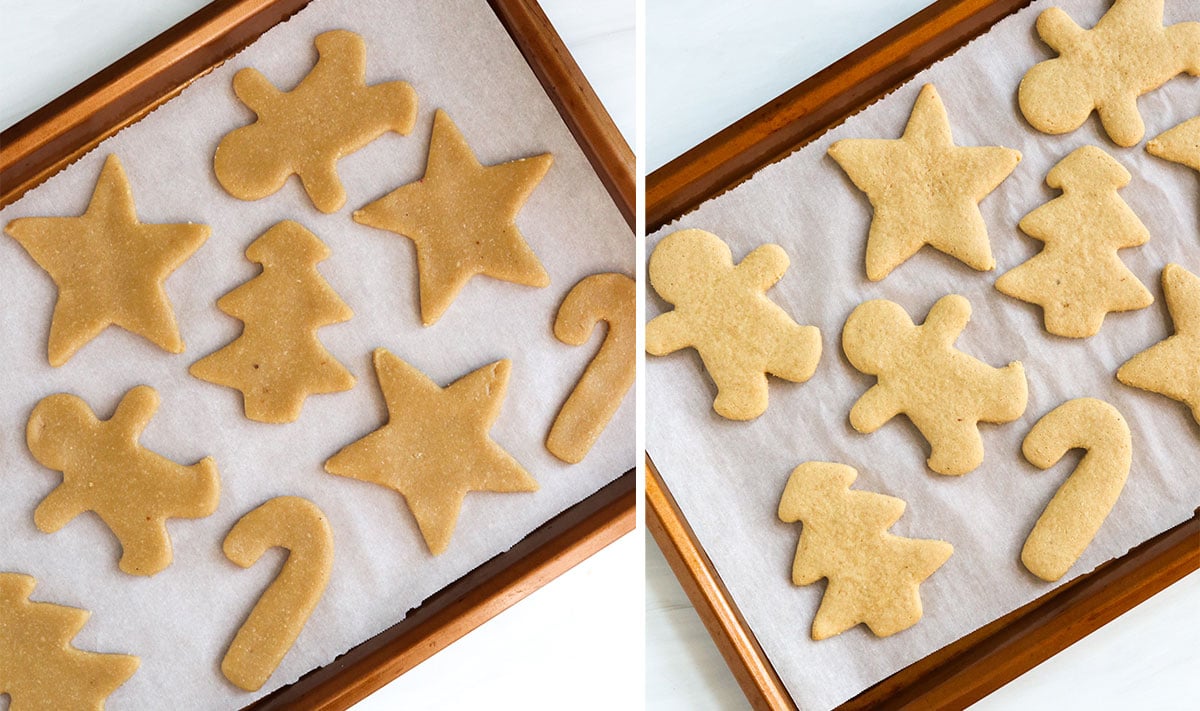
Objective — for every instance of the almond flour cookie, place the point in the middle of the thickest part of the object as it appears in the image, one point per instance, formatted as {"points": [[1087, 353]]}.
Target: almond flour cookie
{"points": [[944, 392], [925, 190], [331, 113], [109, 267], [1179, 145], [874, 576], [1128, 53], [1078, 277], [722, 311], [39, 668]]}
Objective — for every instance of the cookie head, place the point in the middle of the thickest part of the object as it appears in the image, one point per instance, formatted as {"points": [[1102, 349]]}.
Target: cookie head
{"points": [[1054, 98], [246, 165], [685, 263], [873, 332], [54, 424]]}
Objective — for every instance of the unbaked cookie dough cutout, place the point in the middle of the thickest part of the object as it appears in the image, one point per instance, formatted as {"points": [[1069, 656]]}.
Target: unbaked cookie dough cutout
{"points": [[276, 620], [1078, 277], [304, 132], [873, 576], [1171, 367], [40, 670], [944, 392], [611, 298], [1128, 53], [1179, 145], [722, 311], [924, 189], [435, 446], [1072, 518], [277, 361], [461, 216], [109, 267], [105, 470]]}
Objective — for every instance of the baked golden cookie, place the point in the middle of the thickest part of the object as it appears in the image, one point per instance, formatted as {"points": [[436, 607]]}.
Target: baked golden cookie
{"points": [[1128, 53], [721, 310], [462, 218], [925, 190], [1179, 145], [39, 668], [330, 114], [1078, 276], [435, 446], [944, 392], [279, 615], [133, 490], [109, 267], [874, 576], [1172, 367], [278, 361]]}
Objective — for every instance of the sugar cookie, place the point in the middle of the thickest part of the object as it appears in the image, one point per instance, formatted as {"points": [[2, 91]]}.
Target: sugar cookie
{"points": [[1128, 53], [278, 361], [723, 312], [435, 446], [109, 267], [1078, 277], [943, 391], [462, 218], [1179, 145], [105, 470], [874, 576], [925, 190], [39, 668], [330, 114]]}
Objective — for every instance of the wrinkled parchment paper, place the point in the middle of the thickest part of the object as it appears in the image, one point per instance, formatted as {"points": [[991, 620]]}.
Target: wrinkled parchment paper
{"points": [[728, 476], [459, 58]]}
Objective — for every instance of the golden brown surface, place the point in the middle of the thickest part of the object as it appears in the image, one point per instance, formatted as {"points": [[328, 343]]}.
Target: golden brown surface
{"points": [[1179, 145]]}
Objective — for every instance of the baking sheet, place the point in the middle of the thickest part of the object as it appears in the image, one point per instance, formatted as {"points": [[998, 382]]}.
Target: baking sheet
{"points": [[727, 476], [459, 58]]}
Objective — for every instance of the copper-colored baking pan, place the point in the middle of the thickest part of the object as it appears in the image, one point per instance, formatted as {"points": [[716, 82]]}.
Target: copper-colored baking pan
{"points": [[974, 666], [45, 142]]}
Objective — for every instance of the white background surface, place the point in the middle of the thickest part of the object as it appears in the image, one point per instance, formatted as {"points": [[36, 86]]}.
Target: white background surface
{"points": [[709, 64], [543, 650]]}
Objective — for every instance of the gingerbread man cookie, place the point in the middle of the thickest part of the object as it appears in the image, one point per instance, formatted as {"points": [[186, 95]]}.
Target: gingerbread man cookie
{"points": [[722, 311]]}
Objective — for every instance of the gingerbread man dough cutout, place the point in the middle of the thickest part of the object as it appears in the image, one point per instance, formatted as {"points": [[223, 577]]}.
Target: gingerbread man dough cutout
{"points": [[330, 113], [105, 470], [943, 391], [1128, 53], [722, 311]]}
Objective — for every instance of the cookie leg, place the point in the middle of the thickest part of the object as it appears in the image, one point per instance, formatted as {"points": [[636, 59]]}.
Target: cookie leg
{"points": [[741, 397], [145, 546], [1122, 121], [954, 451]]}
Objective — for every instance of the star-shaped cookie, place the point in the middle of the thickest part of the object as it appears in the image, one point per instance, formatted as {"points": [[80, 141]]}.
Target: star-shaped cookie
{"points": [[109, 267], [435, 447], [924, 189], [1171, 367], [462, 218], [1178, 145]]}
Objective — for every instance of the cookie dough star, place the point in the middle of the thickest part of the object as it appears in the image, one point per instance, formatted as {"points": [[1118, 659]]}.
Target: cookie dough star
{"points": [[925, 189], [435, 447], [108, 267], [1171, 367], [462, 218]]}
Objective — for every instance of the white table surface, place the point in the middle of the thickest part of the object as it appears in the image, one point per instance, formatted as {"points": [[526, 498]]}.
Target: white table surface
{"points": [[550, 650], [708, 63]]}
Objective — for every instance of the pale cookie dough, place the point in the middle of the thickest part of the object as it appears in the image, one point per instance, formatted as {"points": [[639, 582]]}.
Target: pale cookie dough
{"points": [[1078, 276], [279, 615], [278, 361], [435, 446], [874, 576], [944, 392], [462, 218], [925, 190], [1128, 53], [1179, 145], [39, 668], [331, 113], [109, 267], [133, 490], [1072, 518], [611, 298], [722, 311], [1172, 367]]}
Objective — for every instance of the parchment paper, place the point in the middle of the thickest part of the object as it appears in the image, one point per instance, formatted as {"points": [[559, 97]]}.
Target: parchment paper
{"points": [[458, 57], [728, 476]]}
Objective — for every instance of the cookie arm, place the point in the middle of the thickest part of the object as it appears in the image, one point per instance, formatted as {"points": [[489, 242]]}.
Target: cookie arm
{"points": [[134, 411], [1057, 29], [947, 319], [763, 267], [873, 409], [666, 334], [254, 90]]}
